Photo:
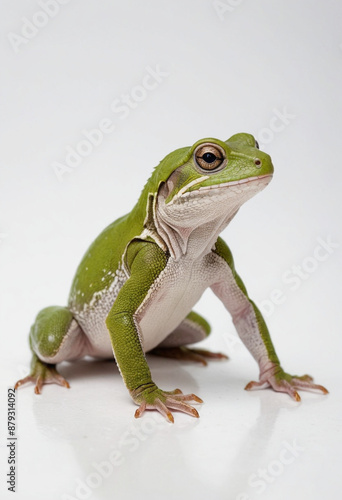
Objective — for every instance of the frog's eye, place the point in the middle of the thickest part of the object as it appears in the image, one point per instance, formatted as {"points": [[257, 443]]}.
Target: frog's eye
{"points": [[256, 144], [209, 156]]}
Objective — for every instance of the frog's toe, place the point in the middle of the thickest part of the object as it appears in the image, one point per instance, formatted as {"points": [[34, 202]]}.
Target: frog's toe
{"points": [[157, 405], [188, 354], [254, 386], [58, 379], [43, 374], [23, 381], [287, 387], [209, 354], [38, 382], [179, 405], [306, 378], [280, 381], [171, 403], [294, 383], [279, 386], [305, 383], [185, 397], [165, 401]]}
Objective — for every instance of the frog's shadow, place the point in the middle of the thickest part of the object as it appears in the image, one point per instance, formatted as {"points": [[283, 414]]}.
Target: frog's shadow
{"points": [[101, 368], [95, 397], [87, 368]]}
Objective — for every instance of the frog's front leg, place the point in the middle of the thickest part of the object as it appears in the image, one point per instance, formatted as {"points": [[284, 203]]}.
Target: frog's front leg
{"points": [[145, 261], [253, 331]]}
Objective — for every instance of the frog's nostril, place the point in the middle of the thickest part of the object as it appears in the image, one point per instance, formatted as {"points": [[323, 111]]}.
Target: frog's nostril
{"points": [[257, 162]]}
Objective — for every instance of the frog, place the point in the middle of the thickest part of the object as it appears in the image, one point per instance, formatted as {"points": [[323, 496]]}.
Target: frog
{"points": [[135, 288]]}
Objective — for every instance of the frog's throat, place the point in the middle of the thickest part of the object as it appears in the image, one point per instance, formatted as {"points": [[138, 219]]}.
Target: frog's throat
{"points": [[191, 224]]}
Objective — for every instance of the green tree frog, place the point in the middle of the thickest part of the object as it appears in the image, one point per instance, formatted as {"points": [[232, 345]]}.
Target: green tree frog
{"points": [[135, 288]]}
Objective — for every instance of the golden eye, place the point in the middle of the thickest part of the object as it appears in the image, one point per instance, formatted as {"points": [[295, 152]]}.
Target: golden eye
{"points": [[209, 156]]}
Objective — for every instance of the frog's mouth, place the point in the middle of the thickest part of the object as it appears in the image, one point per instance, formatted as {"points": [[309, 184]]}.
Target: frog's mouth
{"points": [[203, 212], [265, 179], [192, 191]]}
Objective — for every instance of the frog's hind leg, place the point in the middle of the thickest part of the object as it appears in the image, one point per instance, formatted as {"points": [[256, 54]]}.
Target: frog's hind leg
{"points": [[55, 336], [193, 328]]}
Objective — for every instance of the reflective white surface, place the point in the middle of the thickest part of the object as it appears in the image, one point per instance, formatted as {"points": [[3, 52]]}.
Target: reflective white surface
{"points": [[270, 68], [85, 443]]}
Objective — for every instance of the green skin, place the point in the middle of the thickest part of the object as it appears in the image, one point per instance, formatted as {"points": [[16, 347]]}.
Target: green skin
{"points": [[125, 279]]}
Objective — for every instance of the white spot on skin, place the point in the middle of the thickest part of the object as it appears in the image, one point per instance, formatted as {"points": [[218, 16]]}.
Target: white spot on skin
{"points": [[91, 317], [90, 285], [51, 338]]}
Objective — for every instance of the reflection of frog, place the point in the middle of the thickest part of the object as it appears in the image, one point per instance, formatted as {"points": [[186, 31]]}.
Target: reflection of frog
{"points": [[136, 285]]}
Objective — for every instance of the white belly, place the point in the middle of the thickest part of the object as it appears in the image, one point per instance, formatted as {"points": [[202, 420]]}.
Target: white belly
{"points": [[172, 297], [168, 302]]}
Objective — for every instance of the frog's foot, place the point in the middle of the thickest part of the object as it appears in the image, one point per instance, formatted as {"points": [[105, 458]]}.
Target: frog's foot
{"points": [[278, 380], [187, 354], [150, 397], [42, 373]]}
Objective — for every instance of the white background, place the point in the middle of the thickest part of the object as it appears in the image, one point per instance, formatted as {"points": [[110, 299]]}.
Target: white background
{"points": [[229, 69]]}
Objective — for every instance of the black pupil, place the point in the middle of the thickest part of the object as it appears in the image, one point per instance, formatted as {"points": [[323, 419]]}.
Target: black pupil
{"points": [[209, 157]]}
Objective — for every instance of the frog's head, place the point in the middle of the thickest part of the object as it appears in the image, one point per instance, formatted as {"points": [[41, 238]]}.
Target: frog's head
{"points": [[207, 183], [213, 171]]}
